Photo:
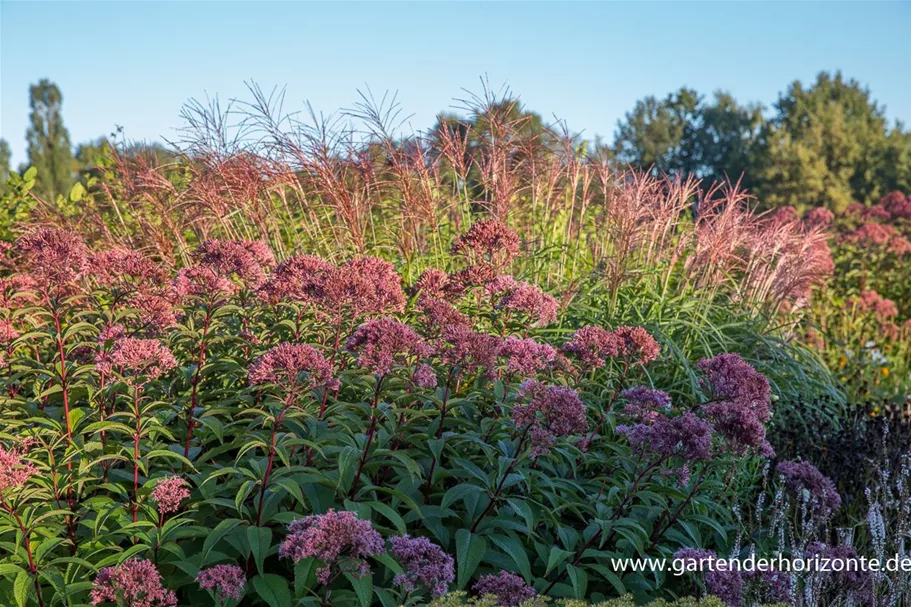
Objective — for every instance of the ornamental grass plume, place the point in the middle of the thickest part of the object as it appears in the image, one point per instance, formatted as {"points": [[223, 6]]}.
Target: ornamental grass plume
{"points": [[806, 482], [292, 367], [339, 539], [132, 583], [53, 257], [15, 470], [509, 294], [226, 581], [551, 412], [384, 343], [245, 259], [168, 493], [508, 589], [488, 241], [424, 564], [134, 357]]}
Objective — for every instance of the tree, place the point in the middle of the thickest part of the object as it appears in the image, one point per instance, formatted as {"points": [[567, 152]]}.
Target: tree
{"points": [[49, 149], [684, 134], [826, 146], [5, 156], [653, 133]]}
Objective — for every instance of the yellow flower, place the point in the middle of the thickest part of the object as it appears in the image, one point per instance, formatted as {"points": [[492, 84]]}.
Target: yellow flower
{"points": [[885, 371], [842, 361]]}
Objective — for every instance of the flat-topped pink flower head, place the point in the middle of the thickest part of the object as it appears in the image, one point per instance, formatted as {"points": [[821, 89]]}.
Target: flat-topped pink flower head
{"points": [[292, 367]]}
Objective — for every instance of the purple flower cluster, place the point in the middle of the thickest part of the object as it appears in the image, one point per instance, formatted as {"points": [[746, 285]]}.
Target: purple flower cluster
{"points": [[382, 343], [468, 350], [203, 282], [858, 584], [437, 284], [424, 376], [551, 412], [644, 404], [740, 402], [508, 589], [525, 298], [685, 436], [132, 583], [227, 581], [292, 367], [732, 586], [339, 539], [363, 285], [156, 307], [818, 217], [135, 357], [168, 494], [805, 481], [424, 564]]}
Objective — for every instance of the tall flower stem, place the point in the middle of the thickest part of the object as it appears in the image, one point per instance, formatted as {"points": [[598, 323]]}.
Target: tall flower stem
{"points": [[64, 390], [374, 420], [194, 394], [33, 569], [276, 428], [137, 435]]}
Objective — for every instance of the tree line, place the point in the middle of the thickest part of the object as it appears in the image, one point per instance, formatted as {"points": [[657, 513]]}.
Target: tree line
{"points": [[827, 144]]}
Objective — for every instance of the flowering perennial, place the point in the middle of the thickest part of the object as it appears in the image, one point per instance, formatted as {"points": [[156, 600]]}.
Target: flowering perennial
{"points": [[424, 564]]}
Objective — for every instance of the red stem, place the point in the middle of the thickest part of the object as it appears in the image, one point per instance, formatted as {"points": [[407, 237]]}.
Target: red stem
{"points": [[200, 359], [28, 550]]}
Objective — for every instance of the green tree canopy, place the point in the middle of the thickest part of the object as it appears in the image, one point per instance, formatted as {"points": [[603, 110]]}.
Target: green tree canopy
{"points": [[829, 145], [49, 149]]}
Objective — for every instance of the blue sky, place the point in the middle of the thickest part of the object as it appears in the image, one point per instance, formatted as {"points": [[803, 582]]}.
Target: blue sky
{"points": [[135, 63]]}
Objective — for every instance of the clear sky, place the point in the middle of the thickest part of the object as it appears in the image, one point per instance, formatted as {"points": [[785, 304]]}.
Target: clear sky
{"points": [[135, 63]]}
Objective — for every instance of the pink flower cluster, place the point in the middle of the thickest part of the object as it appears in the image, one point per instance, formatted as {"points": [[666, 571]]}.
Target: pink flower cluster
{"points": [[292, 367], [872, 302], [740, 402], [119, 267], [245, 259], [468, 350], [526, 357], [226, 581], [488, 240], [203, 282], [437, 284], [132, 583], [509, 294], [508, 589], [168, 493], [340, 539], [135, 357], [14, 469], [882, 236], [382, 343], [731, 586], [54, 258], [805, 481], [593, 346], [551, 412], [424, 564]]}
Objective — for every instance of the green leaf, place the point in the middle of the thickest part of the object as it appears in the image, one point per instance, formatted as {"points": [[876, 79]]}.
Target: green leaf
{"points": [[579, 579], [557, 555], [21, 587], [304, 576], [273, 589], [260, 539], [222, 529], [363, 587], [470, 549], [77, 192]]}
